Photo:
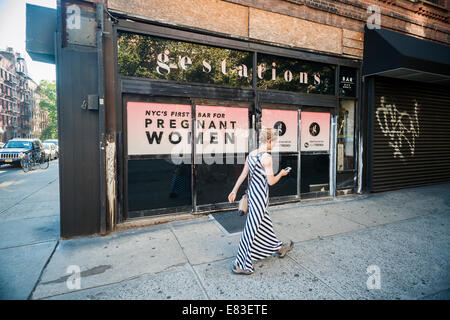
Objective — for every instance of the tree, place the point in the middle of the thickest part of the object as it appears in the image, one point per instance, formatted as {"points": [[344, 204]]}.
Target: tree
{"points": [[48, 103]]}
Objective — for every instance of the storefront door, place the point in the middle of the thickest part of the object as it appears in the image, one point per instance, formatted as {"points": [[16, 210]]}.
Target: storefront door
{"points": [[315, 154], [284, 119], [304, 146], [222, 139]]}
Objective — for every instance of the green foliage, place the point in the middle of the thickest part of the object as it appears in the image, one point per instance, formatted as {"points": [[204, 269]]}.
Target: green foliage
{"points": [[48, 103], [137, 57]]}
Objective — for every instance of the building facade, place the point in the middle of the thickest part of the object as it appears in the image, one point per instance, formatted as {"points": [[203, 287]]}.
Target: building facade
{"points": [[17, 94], [39, 120], [168, 100], [10, 113]]}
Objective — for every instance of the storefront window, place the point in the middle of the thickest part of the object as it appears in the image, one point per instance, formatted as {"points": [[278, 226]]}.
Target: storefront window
{"points": [[346, 134], [287, 186], [188, 156], [315, 174], [285, 151], [160, 138], [214, 181], [221, 146], [345, 180], [295, 75], [159, 167], [315, 153], [153, 57], [157, 183]]}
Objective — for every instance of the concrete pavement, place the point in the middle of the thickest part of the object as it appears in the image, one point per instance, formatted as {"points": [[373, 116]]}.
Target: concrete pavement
{"points": [[405, 234], [412, 256], [29, 227]]}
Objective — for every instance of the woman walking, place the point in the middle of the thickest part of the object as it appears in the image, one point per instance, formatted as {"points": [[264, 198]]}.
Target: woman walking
{"points": [[258, 239]]}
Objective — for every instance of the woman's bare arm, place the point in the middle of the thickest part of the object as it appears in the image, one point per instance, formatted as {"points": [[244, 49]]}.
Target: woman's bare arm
{"points": [[239, 181], [266, 161]]}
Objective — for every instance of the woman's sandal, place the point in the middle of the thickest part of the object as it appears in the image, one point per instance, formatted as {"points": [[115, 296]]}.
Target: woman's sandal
{"points": [[285, 248], [238, 270]]}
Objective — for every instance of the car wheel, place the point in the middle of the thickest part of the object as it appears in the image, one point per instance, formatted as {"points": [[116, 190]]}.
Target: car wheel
{"points": [[24, 163]]}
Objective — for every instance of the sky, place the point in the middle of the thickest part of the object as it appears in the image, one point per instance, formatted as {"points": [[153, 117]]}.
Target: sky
{"points": [[12, 34]]}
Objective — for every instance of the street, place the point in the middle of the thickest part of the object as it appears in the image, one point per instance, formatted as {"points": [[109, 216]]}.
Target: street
{"points": [[393, 245]]}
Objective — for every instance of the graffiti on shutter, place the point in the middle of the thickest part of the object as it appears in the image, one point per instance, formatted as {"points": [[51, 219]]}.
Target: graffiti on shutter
{"points": [[398, 126]]}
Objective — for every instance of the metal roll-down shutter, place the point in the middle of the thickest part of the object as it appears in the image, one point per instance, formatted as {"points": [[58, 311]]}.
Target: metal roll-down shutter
{"points": [[411, 134]]}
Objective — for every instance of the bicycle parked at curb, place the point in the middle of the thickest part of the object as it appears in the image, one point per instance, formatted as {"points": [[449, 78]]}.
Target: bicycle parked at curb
{"points": [[30, 161]]}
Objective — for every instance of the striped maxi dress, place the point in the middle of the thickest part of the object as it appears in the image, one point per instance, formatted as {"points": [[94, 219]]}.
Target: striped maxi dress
{"points": [[258, 239]]}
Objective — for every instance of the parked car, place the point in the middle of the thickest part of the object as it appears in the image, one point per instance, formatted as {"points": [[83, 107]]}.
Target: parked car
{"points": [[16, 149], [55, 142], [50, 151]]}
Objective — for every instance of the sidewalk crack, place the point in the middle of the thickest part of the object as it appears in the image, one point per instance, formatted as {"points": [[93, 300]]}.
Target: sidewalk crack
{"points": [[342, 296], [197, 277], [42, 271]]}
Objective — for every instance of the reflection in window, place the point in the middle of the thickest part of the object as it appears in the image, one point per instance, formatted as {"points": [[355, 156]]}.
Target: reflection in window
{"points": [[214, 181], [295, 75], [345, 180], [287, 186], [346, 134], [315, 173], [152, 57], [158, 183]]}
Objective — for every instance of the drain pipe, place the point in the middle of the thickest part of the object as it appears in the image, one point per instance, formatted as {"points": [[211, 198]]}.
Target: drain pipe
{"points": [[101, 117]]}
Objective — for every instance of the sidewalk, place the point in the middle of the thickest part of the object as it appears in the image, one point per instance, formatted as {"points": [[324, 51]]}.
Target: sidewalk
{"points": [[405, 233], [29, 227]]}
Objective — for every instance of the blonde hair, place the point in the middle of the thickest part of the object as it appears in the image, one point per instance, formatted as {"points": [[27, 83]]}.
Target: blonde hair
{"points": [[267, 135]]}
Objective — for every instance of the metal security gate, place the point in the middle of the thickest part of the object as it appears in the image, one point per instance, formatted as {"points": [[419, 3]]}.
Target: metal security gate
{"points": [[410, 134]]}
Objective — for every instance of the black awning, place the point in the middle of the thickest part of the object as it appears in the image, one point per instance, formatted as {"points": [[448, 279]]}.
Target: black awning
{"points": [[396, 55]]}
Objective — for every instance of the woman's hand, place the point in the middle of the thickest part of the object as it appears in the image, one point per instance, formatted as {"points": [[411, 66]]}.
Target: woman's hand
{"points": [[284, 172], [231, 197], [239, 181]]}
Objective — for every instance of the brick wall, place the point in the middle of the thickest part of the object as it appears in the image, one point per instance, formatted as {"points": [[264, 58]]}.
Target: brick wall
{"points": [[327, 26], [287, 30], [214, 15]]}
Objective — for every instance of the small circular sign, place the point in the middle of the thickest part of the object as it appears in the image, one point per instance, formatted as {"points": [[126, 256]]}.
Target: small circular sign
{"points": [[280, 127], [306, 144], [314, 129]]}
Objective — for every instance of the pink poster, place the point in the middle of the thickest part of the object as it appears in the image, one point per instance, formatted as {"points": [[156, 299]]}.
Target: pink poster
{"points": [[158, 128], [165, 129], [286, 122], [221, 130], [315, 131]]}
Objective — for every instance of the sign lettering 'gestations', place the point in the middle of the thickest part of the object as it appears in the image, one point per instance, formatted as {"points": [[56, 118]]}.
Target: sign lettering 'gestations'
{"points": [[163, 59]]}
